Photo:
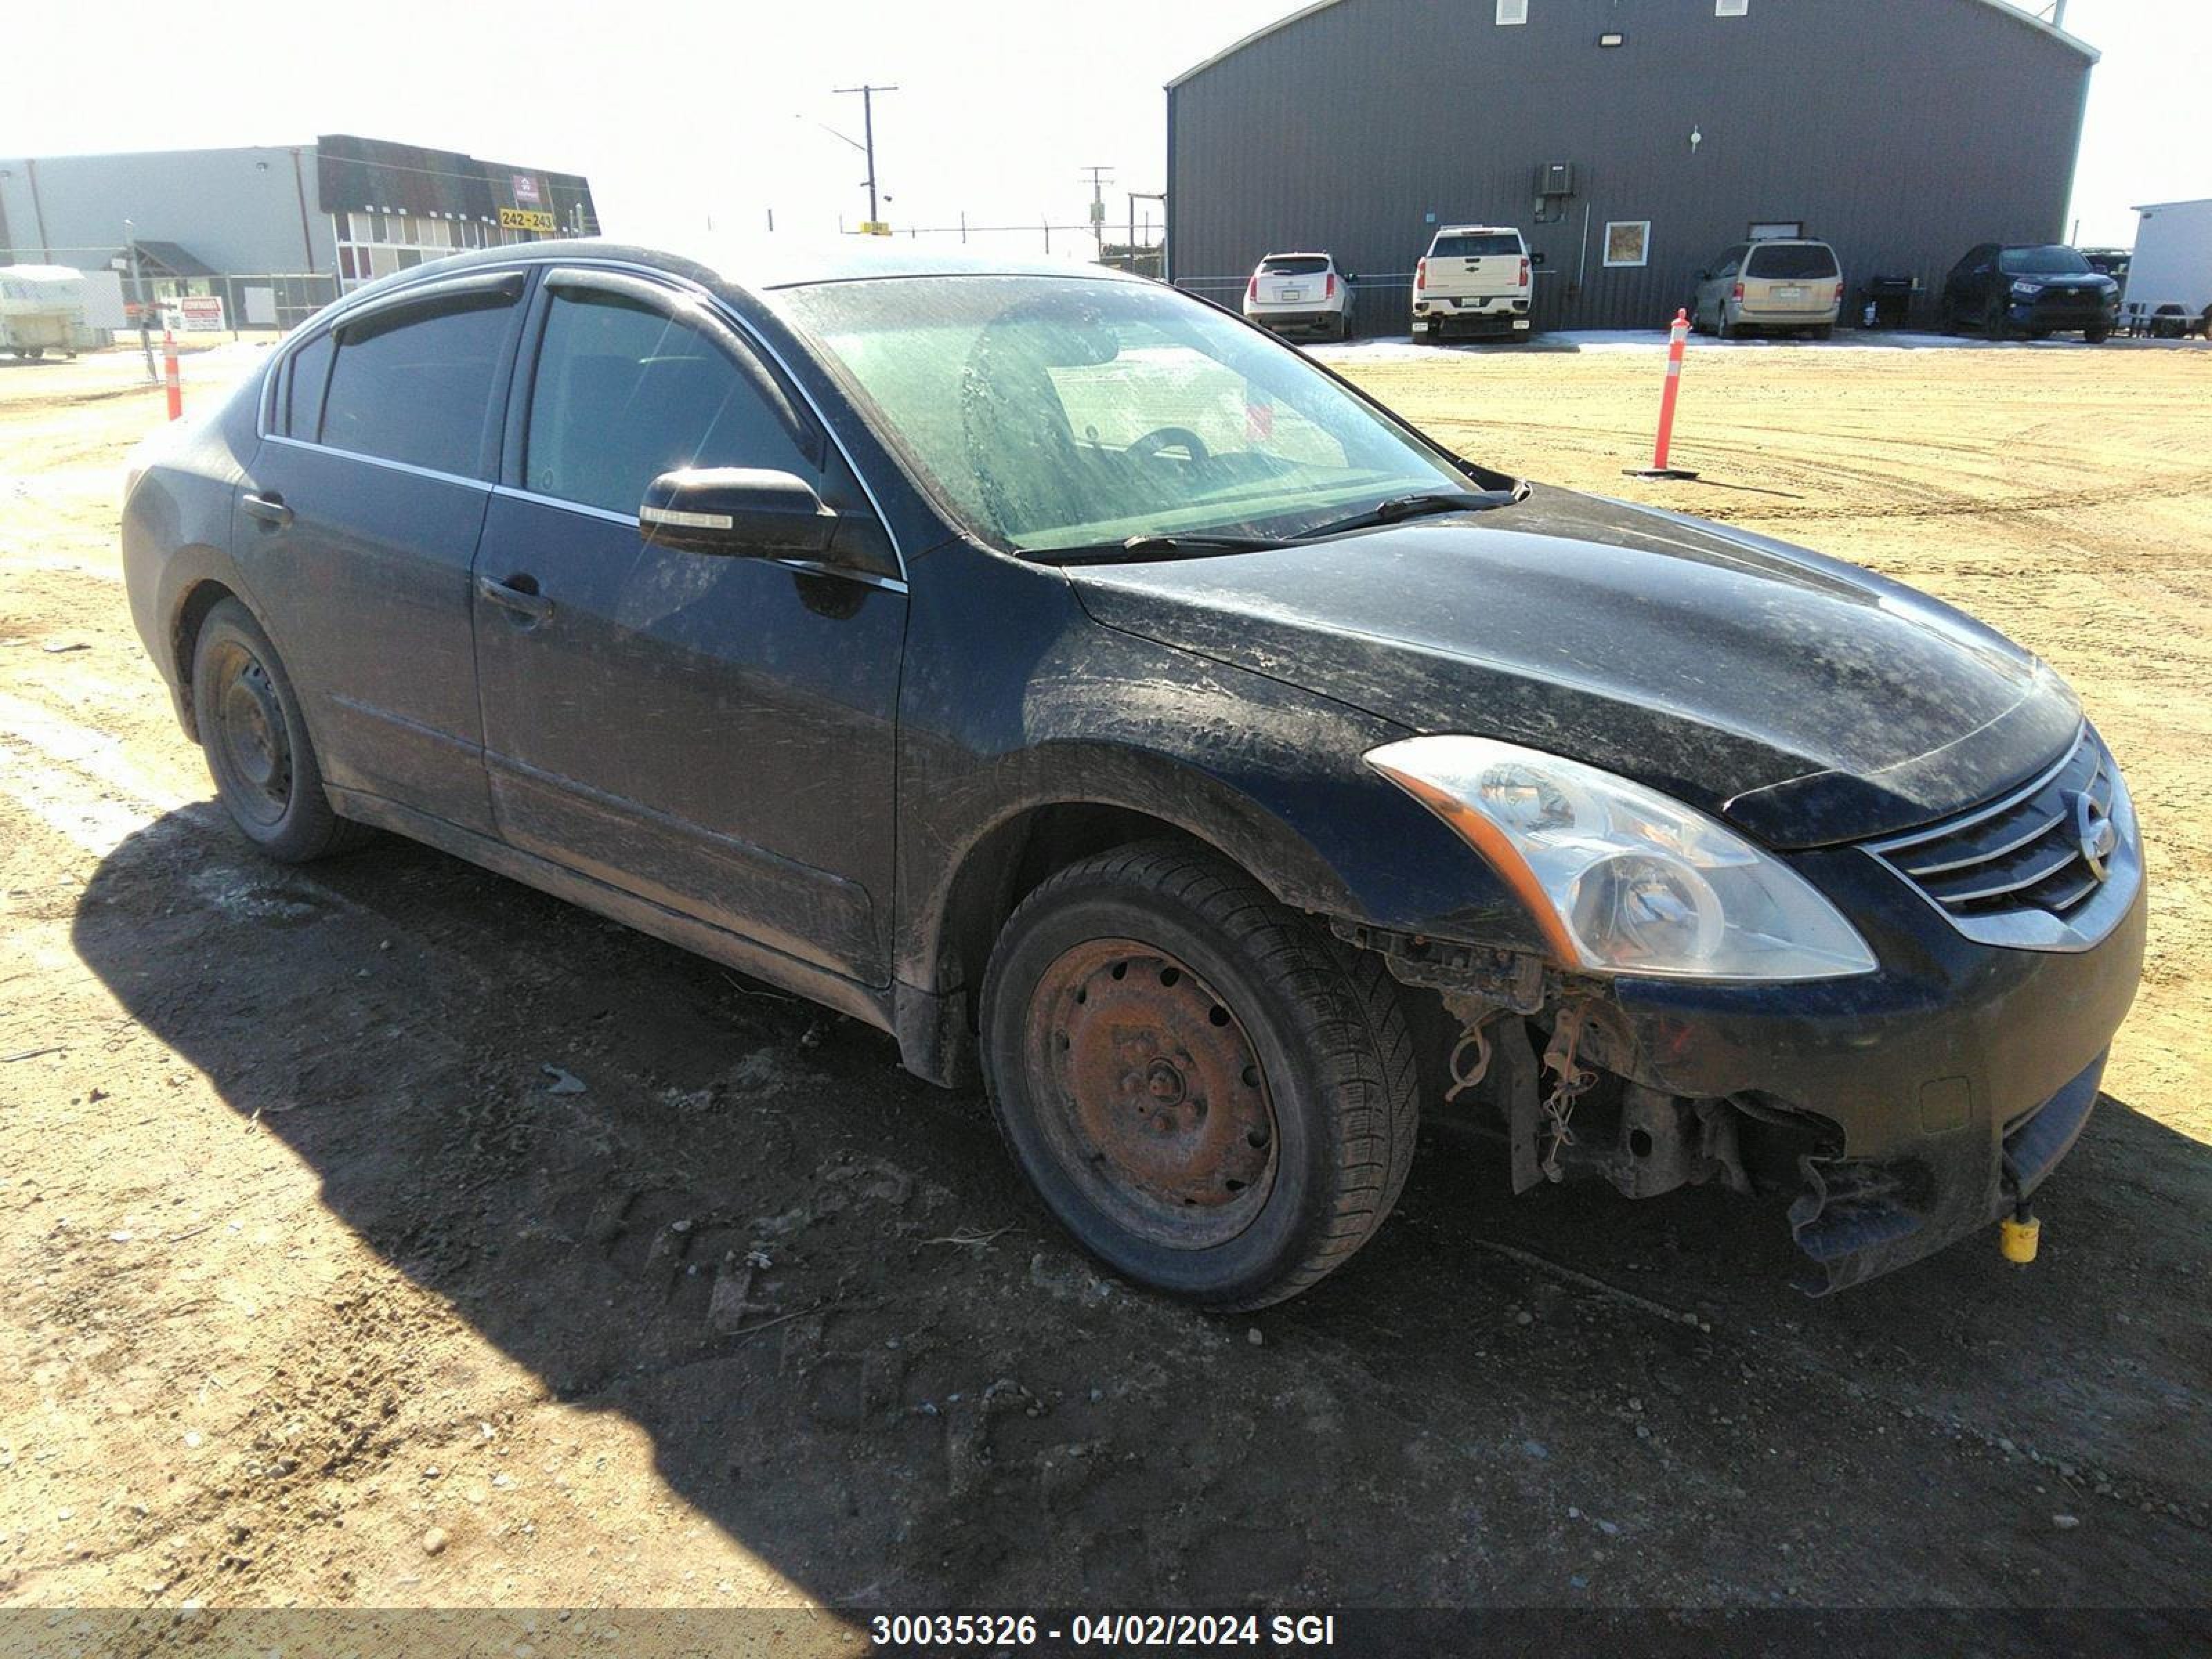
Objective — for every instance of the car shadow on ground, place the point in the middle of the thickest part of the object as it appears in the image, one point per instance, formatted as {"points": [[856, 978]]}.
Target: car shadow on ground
{"points": [[862, 1350]]}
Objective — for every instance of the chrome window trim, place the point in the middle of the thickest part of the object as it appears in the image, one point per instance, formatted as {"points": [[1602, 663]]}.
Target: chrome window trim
{"points": [[667, 279], [2036, 929], [380, 460], [805, 567]]}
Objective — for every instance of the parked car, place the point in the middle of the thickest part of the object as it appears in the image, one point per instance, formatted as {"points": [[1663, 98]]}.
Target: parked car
{"points": [[1474, 279], [2034, 291], [1796, 285], [1114, 706], [1300, 294]]}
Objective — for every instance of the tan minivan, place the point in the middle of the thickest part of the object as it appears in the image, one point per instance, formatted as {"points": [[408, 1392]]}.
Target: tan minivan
{"points": [[1793, 284]]}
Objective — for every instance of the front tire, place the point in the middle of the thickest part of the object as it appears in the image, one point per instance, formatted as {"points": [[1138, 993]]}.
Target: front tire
{"points": [[1214, 1096], [257, 745]]}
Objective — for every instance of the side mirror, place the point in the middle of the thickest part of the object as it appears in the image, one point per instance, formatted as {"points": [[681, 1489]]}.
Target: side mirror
{"points": [[1350, 275], [1704, 276], [1536, 260], [739, 512]]}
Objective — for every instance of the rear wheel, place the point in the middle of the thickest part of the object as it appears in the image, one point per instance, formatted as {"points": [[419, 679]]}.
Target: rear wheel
{"points": [[257, 744], [1214, 1096], [1825, 331], [1728, 329], [2096, 336]]}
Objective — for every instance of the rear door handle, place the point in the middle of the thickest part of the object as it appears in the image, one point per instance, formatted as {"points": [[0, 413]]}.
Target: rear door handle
{"points": [[519, 594], [269, 509]]}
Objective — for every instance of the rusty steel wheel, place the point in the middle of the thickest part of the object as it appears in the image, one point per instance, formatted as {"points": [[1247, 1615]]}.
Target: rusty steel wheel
{"points": [[257, 749], [1213, 1095], [1152, 1093]]}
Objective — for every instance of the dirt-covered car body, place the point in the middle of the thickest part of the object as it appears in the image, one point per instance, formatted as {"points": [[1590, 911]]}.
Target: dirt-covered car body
{"points": [[840, 762]]}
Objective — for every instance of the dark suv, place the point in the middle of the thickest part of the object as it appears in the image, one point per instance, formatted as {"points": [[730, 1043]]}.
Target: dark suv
{"points": [[2033, 291], [1116, 706]]}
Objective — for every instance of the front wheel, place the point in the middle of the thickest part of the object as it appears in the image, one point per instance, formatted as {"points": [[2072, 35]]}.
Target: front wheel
{"points": [[257, 744], [1213, 1095]]}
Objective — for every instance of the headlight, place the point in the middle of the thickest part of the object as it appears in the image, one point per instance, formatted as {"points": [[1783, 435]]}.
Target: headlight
{"points": [[2026, 290], [1622, 879]]}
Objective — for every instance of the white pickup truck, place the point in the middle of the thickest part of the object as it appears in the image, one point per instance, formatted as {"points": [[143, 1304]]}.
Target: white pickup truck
{"points": [[1474, 279]]}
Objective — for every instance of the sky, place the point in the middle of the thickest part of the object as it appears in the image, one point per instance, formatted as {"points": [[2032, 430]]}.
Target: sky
{"points": [[724, 114]]}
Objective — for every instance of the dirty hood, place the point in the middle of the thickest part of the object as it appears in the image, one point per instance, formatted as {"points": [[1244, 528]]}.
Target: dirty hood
{"points": [[1802, 699]]}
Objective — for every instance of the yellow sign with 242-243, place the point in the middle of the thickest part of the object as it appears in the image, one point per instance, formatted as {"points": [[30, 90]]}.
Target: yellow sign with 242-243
{"points": [[525, 219]]}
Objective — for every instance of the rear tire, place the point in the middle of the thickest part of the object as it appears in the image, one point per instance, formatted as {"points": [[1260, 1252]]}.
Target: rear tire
{"points": [[1825, 331], [1216, 1097], [257, 745], [2096, 336]]}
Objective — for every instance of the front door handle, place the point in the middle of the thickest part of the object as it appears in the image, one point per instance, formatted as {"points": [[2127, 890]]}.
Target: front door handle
{"points": [[519, 594], [269, 509]]}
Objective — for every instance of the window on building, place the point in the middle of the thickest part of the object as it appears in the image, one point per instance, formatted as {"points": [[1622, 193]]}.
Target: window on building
{"points": [[1767, 230], [1731, 7], [624, 393], [416, 386], [1512, 11], [1628, 242]]}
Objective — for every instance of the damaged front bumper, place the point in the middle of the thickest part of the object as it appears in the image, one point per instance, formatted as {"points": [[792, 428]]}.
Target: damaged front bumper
{"points": [[1941, 1091], [1900, 1109]]}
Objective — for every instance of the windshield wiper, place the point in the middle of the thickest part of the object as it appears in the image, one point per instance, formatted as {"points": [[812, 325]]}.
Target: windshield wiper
{"points": [[1414, 506], [1136, 550]]}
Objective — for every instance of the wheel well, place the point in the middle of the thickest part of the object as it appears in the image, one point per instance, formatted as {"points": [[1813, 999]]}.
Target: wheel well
{"points": [[202, 598], [1015, 858]]}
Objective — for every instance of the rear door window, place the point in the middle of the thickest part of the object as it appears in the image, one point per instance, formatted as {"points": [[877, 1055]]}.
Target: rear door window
{"points": [[624, 392], [1791, 262], [415, 386], [303, 390]]}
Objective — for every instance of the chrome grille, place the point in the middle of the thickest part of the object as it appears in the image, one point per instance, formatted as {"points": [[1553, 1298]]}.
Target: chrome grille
{"points": [[2013, 872]]}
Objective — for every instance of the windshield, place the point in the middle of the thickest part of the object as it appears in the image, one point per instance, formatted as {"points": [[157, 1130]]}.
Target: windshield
{"points": [[1054, 412], [1791, 262], [1474, 248], [2042, 262]]}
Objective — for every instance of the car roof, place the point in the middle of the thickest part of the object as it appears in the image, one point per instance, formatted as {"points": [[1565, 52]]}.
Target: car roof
{"points": [[768, 261]]}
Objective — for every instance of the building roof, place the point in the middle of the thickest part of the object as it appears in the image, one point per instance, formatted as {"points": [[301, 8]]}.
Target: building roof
{"points": [[1281, 23], [170, 256]]}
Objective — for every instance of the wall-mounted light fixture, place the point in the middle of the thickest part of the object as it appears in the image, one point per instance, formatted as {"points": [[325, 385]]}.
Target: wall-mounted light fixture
{"points": [[1611, 39], [1697, 137]]}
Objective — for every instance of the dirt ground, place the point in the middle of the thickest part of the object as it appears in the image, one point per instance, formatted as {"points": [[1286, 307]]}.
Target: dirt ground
{"points": [[386, 1234]]}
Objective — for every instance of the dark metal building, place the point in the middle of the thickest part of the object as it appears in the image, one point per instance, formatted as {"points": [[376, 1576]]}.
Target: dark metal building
{"points": [[1632, 140]]}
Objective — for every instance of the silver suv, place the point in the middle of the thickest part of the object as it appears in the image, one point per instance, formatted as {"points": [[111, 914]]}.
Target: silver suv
{"points": [[1300, 294]]}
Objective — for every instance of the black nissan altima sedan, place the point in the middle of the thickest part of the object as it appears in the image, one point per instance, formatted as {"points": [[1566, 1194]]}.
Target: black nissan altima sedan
{"points": [[1125, 712]]}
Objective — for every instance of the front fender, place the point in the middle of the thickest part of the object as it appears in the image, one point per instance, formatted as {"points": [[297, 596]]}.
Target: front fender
{"points": [[1269, 774]]}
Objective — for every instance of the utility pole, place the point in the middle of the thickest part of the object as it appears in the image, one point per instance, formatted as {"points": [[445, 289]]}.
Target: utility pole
{"points": [[1098, 208], [139, 293], [868, 132], [1135, 196]]}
